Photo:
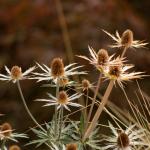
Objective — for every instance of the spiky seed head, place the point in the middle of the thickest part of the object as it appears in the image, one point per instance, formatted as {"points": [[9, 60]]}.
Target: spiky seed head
{"points": [[16, 72], [102, 57], [127, 38], [123, 140], [6, 129], [63, 81], [14, 147], [62, 98], [57, 68], [71, 146], [115, 71], [85, 84]]}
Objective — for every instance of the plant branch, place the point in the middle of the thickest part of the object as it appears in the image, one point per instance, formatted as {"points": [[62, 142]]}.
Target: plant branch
{"points": [[26, 107], [99, 110]]}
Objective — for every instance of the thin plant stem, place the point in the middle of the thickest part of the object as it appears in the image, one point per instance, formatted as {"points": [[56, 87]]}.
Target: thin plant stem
{"points": [[26, 107], [65, 32], [57, 94], [87, 101], [94, 99], [61, 121], [124, 51], [99, 110]]}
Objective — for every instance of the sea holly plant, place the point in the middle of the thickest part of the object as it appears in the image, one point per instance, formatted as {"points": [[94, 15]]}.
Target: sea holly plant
{"points": [[8, 134], [63, 133]]}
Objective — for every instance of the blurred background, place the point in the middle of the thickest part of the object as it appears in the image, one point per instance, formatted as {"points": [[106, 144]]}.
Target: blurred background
{"points": [[39, 30]]}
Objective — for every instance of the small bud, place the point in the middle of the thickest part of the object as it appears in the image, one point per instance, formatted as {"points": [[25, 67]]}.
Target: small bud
{"points": [[63, 81], [57, 68], [127, 38], [14, 147], [71, 147], [6, 129], [16, 72], [62, 98], [85, 84], [123, 140], [115, 71], [102, 57]]}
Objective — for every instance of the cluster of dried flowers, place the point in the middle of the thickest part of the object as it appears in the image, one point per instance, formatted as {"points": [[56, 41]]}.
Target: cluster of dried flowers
{"points": [[61, 133]]}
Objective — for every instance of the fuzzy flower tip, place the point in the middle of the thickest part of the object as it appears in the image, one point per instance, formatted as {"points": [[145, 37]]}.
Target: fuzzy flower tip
{"points": [[129, 139], [125, 40], [63, 100], [85, 84], [57, 68], [102, 57], [71, 146], [5, 130], [16, 74], [14, 147]]}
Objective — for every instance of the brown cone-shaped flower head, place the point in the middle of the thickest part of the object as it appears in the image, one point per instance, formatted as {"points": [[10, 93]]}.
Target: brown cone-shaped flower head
{"points": [[85, 84], [123, 140], [71, 147], [102, 57], [127, 38], [115, 71], [14, 147], [57, 68], [16, 72], [62, 98], [6, 129]]}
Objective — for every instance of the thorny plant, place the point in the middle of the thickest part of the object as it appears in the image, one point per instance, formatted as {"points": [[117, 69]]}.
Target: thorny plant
{"points": [[62, 133]]}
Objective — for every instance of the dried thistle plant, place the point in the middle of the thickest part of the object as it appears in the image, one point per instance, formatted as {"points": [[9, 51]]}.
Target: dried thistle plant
{"points": [[62, 133]]}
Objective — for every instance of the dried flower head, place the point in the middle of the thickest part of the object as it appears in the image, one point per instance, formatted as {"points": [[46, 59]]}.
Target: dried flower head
{"points": [[123, 140], [115, 71], [14, 147], [102, 57], [100, 60], [126, 40], [85, 84], [6, 129], [71, 146], [130, 139], [57, 68], [62, 98], [119, 72], [16, 74]]}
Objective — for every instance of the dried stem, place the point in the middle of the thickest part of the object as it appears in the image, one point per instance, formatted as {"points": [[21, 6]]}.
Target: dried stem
{"points": [[26, 107], [94, 99], [87, 101], [99, 110], [60, 122], [124, 51], [65, 32], [57, 93]]}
